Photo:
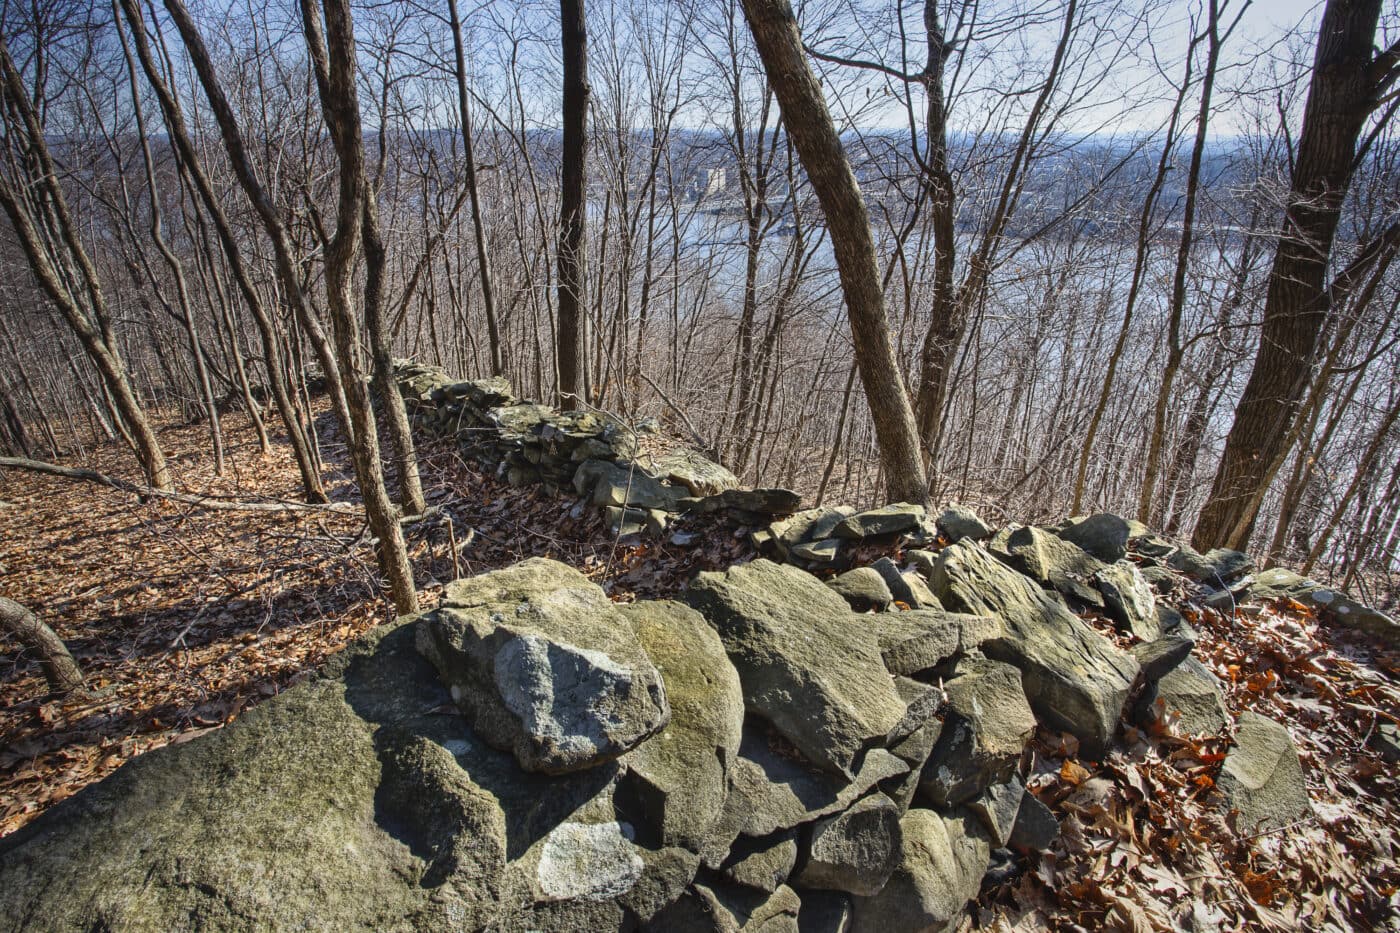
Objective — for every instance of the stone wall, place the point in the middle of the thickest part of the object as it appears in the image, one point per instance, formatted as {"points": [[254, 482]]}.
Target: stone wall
{"points": [[598, 456]]}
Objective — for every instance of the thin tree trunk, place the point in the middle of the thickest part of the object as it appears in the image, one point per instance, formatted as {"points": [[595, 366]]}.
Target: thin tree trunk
{"points": [[819, 146]]}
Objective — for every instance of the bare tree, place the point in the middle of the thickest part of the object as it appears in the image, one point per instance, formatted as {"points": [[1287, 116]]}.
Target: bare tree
{"points": [[809, 123], [1348, 84]]}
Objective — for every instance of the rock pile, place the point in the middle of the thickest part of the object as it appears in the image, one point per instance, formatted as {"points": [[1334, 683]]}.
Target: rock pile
{"points": [[598, 456], [775, 753]]}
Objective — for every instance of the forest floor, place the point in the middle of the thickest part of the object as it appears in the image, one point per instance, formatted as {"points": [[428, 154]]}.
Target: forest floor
{"points": [[181, 618]]}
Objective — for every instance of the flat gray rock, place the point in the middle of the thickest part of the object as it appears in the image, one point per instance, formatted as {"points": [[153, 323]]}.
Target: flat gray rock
{"points": [[680, 775], [544, 665], [326, 807], [890, 519], [1262, 779], [1075, 678], [1278, 583], [957, 522], [805, 663], [986, 726], [700, 475]]}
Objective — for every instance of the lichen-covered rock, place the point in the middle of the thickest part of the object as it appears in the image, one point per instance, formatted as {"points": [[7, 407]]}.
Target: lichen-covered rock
{"points": [[771, 501], [941, 866], [544, 665], [1075, 678], [887, 520], [855, 850], [606, 483], [909, 589], [681, 775], [333, 806], [863, 588], [806, 668], [958, 521], [700, 475], [986, 726], [1261, 779]]}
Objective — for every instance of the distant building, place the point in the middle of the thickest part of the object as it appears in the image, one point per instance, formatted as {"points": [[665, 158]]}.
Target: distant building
{"points": [[713, 181]]}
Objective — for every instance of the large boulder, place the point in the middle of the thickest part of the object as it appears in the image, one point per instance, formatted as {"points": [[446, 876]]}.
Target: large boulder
{"points": [[957, 522], [1261, 779], [805, 664], [545, 666], [943, 859], [1075, 678], [337, 805], [681, 776]]}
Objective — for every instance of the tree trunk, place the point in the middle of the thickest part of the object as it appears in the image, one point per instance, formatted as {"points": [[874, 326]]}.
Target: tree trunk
{"points": [[60, 670], [819, 146], [333, 59], [1339, 100], [488, 293], [572, 200]]}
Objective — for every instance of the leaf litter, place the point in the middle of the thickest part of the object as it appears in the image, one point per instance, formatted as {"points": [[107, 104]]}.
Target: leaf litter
{"points": [[183, 619]]}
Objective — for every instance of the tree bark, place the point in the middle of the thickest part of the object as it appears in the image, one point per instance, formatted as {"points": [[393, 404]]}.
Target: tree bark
{"points": [[818, 144], [572, 202], [333, 59], [60, 670], [1340, 98]]}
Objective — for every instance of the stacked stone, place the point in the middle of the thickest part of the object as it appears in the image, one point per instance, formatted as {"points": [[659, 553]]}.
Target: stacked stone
{"points": [[769, 755], [596, 454]]}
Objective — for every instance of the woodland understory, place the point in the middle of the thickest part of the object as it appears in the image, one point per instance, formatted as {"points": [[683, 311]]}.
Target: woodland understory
{"points": [[183, 617]]}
